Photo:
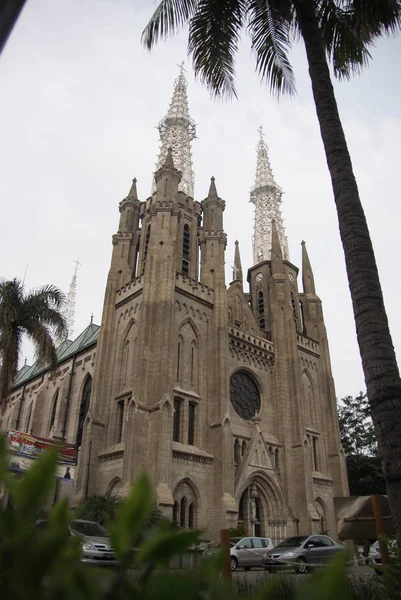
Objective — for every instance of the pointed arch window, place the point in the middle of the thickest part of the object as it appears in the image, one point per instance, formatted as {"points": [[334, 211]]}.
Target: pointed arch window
{"points": [[28, 420], [183, 511], [177, 420], [175, 512], [83, 408], [125, 364], [191, 516], [145, 250], [191, 423], [54, 410], [120, 421], [261, 310], [179, 352], [186, 246], [294, 309], [237, 452], [194, 363]]}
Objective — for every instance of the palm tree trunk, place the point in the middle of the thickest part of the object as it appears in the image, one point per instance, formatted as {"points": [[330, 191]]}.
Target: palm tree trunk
{"points": [[375, 345], [9, 13]]}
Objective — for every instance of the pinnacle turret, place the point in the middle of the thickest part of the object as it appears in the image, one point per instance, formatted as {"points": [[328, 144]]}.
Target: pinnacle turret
{"points": [[133, 193], [308, 281], [237, 268], [212, 188], [177, 130], [266, 196]]}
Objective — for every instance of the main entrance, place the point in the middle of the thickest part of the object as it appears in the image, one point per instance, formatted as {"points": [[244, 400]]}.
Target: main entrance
{"points": [[262, 510]]}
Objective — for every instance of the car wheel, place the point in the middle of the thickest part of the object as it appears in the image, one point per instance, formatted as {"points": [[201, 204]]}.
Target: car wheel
{"points": [[233, 563], [301, 565], [247, 568]]}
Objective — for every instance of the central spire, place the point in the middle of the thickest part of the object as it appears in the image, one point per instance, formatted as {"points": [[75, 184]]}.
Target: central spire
{"points": [[177, 130], [266, 196]]}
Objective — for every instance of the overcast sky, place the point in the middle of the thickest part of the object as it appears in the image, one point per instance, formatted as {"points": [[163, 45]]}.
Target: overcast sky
{"points": [[79, 101]]}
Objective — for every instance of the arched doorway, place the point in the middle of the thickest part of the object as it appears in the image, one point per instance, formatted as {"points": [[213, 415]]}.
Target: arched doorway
{"points": [[262, 510]]}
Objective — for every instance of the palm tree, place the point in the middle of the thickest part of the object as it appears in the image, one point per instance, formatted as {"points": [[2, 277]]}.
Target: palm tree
{"points": [[36, 314], [340, 32]]}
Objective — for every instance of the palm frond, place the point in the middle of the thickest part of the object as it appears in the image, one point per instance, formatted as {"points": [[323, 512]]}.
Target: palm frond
{"points": [[214, 33], [350, 27], [45, 351], [269, 26], [44, 305], [347, 49], [167, 19]]}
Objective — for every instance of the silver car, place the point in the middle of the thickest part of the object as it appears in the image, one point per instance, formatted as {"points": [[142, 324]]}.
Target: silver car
{"points": [[96, 546], [302, 552], [245, 552]]}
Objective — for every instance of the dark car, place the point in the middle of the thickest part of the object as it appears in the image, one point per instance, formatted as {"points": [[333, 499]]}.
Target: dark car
{"points": [[302, 552]]}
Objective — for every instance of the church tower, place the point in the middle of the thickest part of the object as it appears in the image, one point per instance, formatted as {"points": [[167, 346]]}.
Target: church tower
{"points": [[224, 395]]}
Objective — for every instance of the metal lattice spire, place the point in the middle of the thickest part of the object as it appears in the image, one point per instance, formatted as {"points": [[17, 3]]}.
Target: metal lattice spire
{"points": [[266, 196], [69, 309], [177, 130]]}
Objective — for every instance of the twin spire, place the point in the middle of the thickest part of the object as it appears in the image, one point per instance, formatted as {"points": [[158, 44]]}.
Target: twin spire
{"points": [[177, 130], [266, 196]]}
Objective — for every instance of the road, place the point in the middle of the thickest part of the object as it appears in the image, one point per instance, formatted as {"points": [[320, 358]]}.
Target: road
{"points": [[257, 573]]}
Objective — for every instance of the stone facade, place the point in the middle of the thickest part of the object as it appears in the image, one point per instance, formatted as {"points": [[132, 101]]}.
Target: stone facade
{"points": [[224, 396]]}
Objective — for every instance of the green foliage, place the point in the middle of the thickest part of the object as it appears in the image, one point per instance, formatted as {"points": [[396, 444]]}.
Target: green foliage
{"points": [[238, 531], [356, 426], [45, 564], [100, 509], [36, 314], [348, 30], [391, 573], [359, 442]]}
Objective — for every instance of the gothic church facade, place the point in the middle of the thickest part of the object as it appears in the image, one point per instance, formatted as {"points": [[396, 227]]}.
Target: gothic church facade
{"points": [[223, 394]]}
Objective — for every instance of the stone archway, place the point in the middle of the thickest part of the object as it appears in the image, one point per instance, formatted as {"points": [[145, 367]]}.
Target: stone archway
{"points": [[262, 509]]}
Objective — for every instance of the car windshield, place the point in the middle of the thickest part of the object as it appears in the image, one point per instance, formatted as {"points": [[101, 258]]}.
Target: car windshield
{"points": [[293, 542], [88, 528]]}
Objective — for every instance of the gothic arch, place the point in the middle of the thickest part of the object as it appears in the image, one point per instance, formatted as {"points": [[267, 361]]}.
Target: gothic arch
{"points": [[186, 495], [320, 507], [113, 486], [53, 412], [188, 371], [84, 404], [308, 397], [263, 514], [125, 355]]}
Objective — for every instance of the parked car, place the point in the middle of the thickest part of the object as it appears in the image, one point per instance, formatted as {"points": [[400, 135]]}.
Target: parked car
{"points": [[96, 546], [302, 552], [245, 552], [375, 557]]}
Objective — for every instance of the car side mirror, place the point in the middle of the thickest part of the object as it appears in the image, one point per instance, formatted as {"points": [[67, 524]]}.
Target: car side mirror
{"points": [[246, 547], [309, 546]]}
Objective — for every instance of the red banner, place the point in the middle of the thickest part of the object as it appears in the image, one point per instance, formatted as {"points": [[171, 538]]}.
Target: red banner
{"points": [[31, 446]]}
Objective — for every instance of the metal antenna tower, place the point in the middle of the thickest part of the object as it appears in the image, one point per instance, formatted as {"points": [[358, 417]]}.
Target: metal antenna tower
{"points": [[266, 196], [177, 130], [69, 309]]}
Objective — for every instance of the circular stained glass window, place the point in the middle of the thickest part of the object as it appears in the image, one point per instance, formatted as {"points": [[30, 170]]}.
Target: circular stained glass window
{"points": [[244, 395]]}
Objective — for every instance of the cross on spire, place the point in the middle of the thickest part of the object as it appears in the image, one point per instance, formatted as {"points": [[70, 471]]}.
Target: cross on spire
{"points": [[260, 131]]}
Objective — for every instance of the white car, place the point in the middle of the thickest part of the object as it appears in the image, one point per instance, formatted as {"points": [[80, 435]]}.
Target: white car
{"points": [[375, 557], [245, 552]]}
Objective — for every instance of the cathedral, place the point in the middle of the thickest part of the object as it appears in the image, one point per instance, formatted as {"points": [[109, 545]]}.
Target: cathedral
{"points": [[221, 391]]}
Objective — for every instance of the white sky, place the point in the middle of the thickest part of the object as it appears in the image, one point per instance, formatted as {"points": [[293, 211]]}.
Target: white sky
{"points": [[79, 102]]}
